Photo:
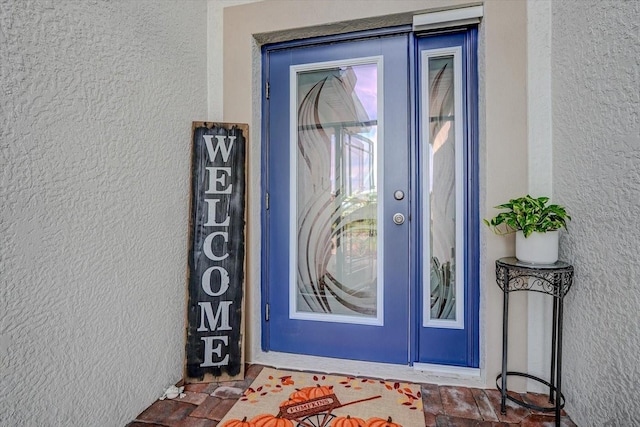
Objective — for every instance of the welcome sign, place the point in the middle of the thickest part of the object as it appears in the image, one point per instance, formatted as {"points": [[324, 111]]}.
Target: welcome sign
{"points": [[214, 335]]}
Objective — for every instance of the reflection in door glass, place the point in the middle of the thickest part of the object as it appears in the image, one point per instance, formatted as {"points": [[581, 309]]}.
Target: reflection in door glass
{"points": [[336, 192], [442, 194]]}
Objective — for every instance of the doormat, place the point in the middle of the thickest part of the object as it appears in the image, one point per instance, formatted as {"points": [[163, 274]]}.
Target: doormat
{"points": [[300, 399]]}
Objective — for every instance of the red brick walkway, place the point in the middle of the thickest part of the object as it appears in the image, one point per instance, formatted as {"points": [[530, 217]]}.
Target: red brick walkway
{"points": [[444, 406]]}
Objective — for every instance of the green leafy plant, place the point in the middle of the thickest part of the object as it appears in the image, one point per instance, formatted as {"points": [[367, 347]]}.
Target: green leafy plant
{"points": [[529, 214]]}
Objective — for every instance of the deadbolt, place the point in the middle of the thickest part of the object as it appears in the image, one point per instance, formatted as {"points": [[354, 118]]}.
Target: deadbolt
{"points": [[398, 218], [398, 195]]}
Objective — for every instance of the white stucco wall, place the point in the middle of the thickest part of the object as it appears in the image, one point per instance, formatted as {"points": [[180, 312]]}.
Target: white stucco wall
{"points": [[96, 104], [540, 168], [215, 49], [596, 173]]}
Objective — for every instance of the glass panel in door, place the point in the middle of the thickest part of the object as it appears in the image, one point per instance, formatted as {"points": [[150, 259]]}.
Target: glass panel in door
{"points": [[442, 189], [336, 208]]}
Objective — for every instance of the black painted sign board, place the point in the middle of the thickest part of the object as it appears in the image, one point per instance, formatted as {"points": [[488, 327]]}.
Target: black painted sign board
{"points": [[216, 263]]}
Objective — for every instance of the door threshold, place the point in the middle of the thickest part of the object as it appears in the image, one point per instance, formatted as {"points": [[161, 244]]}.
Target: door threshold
{"points": [[447, 370], [418, 373]]}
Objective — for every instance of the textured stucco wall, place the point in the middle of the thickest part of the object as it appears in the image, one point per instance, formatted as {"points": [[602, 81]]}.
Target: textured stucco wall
{"points": [[540, 170], [215, 49], [96, 104], [596, 173]]}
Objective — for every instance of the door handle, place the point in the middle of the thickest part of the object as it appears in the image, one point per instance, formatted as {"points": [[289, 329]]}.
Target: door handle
{"points": [[398, 218]]}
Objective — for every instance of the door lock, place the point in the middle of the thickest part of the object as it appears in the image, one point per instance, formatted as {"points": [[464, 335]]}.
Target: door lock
{"points": [[398, 218]]}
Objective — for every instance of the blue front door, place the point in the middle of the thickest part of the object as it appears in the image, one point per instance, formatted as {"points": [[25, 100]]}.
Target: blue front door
{"points": [[343, 256]]}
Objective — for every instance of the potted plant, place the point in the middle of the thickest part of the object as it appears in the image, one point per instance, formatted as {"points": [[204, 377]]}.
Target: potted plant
{"points": [[536, 225]]}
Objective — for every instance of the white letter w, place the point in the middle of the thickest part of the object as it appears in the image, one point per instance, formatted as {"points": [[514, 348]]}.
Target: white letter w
{"points": [[220, 146]]}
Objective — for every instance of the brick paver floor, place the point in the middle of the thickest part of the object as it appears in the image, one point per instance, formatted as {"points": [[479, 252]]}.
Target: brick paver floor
{"points": [[444, 406]]}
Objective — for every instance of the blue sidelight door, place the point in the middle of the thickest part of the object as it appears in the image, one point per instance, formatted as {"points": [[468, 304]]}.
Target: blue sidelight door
{"points": [[447, 200], [342, 234]]}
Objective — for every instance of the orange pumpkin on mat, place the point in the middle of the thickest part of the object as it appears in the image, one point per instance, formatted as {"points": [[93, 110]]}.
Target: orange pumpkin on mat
{"points": [[308, 393], [318, 391], [379, 422], [299, 395], [292, 401], [266, 420], [347, 422], [238, 423]]}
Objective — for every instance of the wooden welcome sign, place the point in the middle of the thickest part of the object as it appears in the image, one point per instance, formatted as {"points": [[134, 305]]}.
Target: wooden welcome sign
{"points": [[214, 335]]}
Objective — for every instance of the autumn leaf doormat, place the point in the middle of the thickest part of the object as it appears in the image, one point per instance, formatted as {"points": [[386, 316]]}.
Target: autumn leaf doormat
{"points": [[279, 398]]}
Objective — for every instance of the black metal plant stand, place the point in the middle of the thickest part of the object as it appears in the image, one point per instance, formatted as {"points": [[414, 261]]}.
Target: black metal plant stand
{"points": [[551, 279]]}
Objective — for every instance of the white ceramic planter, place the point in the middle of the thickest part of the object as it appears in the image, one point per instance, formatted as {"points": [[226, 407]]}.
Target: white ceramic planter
{"points": [[538, 248]]}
